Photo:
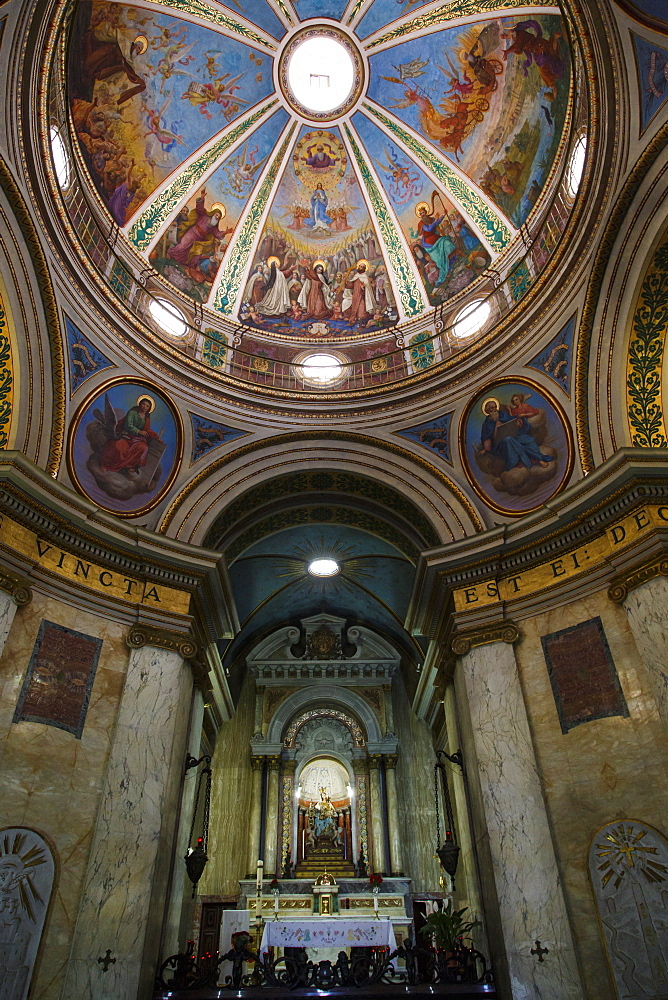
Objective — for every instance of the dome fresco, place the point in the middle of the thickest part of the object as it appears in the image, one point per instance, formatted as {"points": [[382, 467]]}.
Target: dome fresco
{"points": [[305, 228]]}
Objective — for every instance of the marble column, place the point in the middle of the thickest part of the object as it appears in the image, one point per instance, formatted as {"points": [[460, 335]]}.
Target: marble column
{"points": [[271, 833], [181, 886], [377, 828], [8, 608], [466, 880], [647, 610], [528, 884], [396, 865], [122, 905], [254, 847]]}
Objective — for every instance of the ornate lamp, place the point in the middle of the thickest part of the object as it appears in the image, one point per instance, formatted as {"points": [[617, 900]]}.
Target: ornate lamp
{"points": [[196, 857], [448, 851]]}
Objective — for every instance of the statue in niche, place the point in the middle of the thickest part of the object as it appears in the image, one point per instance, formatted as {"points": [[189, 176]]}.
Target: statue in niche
{"points": [[322, 821], [628, 864]]}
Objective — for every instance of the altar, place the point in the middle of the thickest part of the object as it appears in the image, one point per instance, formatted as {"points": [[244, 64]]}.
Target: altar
{"points": [[338, 933]]}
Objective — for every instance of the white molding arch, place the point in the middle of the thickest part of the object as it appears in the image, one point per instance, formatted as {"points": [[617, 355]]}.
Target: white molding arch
{"points": [[330, 696]]}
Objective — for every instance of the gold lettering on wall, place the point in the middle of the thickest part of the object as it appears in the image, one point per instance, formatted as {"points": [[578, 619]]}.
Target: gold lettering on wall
{"points": [[89, 574], [619, 536]]}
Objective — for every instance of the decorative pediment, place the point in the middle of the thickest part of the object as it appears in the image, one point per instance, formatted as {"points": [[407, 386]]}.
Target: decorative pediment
{"points": [[322, 647]]}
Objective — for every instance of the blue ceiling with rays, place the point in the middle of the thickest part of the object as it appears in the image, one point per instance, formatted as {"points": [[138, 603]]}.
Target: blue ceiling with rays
{"points": [[272, 586]]}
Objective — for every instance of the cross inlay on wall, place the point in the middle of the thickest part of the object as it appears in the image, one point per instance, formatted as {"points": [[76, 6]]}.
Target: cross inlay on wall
{"points": [[538, 950], [107, 961]]}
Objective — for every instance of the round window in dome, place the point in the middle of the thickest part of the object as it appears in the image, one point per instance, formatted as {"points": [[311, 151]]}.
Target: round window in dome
{"points": [[323, 567], [61, 161], [321, 72], [321, 369], [471, 318], [170, 319], [576, 165]]}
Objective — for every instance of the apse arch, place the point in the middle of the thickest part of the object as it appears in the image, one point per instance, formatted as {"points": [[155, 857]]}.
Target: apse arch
{"points": [[446, 504], [329, 695]]}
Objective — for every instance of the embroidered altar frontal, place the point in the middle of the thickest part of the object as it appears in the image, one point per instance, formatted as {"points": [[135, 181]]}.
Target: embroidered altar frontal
{"points": [[320, 933]]}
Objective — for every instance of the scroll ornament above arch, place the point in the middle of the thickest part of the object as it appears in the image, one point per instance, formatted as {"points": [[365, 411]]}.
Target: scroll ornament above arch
{"points": [[327, 701]]}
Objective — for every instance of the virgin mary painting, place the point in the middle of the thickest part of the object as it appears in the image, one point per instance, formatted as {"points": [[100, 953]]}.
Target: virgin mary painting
{"points": [[123, 452], [517, 450]]}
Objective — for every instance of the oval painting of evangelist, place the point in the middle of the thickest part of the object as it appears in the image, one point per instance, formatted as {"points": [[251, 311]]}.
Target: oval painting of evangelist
{"points": [[125, 446], [516, 446]]}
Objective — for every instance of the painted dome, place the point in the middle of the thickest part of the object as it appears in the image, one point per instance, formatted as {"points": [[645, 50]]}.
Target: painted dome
{"points": [[278, 176]]}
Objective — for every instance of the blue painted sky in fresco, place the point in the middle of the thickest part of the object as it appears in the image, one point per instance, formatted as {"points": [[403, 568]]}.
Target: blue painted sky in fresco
{"points": [[258, 12], [382, 12], [320, 8]]}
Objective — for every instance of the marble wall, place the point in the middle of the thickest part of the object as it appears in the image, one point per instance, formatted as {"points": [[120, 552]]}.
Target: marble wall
{"points": [[7, 611], [599, 771], [528, 885], [415, 788], [52, 782], [123, 901], [231, 800]]}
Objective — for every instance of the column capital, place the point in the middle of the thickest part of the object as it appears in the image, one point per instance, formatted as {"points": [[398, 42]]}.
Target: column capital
{"points": [[16, 586], [274, 761], [391, 761], [503, 631], [619, 588], [375, 761], [175, 642], [257, 763]]}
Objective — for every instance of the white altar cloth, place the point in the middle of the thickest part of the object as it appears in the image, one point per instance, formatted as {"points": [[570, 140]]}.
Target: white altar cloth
{"points": [[340, 932]]}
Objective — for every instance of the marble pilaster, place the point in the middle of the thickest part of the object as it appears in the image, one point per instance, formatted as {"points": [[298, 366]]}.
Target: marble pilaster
{"points": [[378, 844], [254, 850], [133, 830], [8, 608], [647, 610], [528, 883], [271, 833], [180, 887], [396, 865]]}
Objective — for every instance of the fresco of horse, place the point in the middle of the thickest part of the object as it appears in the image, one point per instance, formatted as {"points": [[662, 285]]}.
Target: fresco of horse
{"points": [[492, 96]]}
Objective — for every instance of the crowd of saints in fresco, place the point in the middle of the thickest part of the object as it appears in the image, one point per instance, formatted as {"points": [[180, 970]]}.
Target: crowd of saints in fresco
{"points": [[319, 269], [190, 250], [492, 97], [146, 91]]}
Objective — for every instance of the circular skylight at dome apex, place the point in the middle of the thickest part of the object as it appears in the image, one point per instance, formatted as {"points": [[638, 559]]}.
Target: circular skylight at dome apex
{"points": [[321, 73], [323, 567]]}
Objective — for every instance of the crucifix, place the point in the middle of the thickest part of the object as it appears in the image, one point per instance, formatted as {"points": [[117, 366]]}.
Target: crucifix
{"points": [[540, 951], [107, 961]]}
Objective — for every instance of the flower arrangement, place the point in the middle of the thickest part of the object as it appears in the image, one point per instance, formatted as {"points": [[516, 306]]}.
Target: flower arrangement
{"points": [[376, 879], [274, 885]]}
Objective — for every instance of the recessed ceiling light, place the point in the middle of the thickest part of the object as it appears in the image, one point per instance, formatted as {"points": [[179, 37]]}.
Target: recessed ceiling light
{"points": [[323, 567]]}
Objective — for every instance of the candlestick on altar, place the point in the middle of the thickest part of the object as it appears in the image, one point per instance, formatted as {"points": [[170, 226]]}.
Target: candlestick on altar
{"points": [[259, 875], [275, 906]]}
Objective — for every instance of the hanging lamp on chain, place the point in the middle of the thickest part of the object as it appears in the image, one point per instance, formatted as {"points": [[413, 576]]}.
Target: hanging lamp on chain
{"points": [[196, 857], [448, 851]]}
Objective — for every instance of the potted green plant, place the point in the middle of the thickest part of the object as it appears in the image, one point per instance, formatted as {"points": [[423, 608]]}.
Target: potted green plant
{"points": [[445, 927]]}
